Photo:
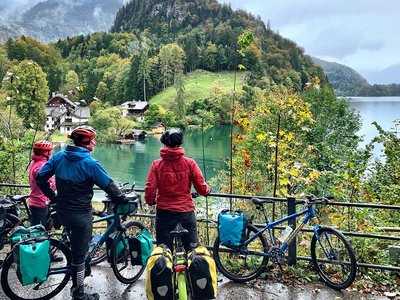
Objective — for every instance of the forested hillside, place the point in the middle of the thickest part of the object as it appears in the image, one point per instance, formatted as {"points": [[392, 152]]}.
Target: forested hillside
{"points": [[347, 82]]}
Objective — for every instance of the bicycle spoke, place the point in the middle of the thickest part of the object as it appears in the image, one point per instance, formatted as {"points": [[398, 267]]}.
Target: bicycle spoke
{"points": [[333, 258]]}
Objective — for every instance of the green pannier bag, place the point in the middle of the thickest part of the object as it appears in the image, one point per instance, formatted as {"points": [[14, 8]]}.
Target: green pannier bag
{"points": [[110, 242], [159, 280], [202, 274], [141, 247], [31, 253], [21, 233]]}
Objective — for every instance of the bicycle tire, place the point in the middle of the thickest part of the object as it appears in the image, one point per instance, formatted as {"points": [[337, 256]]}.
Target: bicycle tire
{"points": [[181, 285], [326, 267], [121, 263], [101, 254], [242, 264], [16, 291]]}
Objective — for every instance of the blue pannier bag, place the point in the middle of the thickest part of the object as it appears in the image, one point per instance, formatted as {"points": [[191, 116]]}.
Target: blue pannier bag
{"points": [[141, 246], [232, 228], [32, 256]]}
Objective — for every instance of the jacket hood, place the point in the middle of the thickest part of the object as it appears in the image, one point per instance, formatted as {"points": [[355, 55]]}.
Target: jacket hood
{"points": [[36, 157], [75, 153], [168, 153]]}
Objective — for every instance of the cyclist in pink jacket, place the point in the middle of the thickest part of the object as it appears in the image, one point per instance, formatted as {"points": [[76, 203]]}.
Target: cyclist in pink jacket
{"points": [[168, 186], [37, 201]]}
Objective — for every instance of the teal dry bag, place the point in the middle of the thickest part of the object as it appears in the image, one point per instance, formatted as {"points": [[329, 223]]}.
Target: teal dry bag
{"points": [[232, 228], [33, 260], [141, 247]]}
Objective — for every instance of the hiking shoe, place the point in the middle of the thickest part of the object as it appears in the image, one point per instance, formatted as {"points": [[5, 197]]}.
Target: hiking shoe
{"points": [[78, 293]]}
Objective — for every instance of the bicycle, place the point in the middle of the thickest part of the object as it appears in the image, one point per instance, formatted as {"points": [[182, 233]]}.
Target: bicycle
{"points": [[180, 263], [60, 271], [14, 219], [331, 254]]}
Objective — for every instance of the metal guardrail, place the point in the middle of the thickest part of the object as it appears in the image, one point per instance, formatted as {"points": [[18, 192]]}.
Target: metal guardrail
{"points": [[291, 207]]}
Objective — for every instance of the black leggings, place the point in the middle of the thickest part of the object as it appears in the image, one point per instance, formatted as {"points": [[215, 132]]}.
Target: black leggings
{"points": [[39, 215], [79, 226], [166, 222]]}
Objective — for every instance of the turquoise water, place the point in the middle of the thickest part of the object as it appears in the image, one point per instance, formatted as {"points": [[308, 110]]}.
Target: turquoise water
{"points": [[131, 163]]}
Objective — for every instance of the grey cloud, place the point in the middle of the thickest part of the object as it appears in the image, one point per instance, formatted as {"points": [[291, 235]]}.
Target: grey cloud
{"points": [[337, 43]]}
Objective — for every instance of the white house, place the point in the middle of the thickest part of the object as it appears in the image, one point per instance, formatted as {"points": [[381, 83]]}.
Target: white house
{"points": [[64, 114], [135, 109]]}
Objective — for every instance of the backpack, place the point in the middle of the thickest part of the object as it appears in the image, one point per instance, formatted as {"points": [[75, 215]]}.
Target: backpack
{"points": [[31, 254], [3, 219], [232, 228], [202, 274], [159, 280], [141, 247]]}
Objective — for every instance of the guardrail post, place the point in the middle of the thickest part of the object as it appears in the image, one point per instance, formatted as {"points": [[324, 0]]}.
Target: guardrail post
{"points": [[292, 254]]}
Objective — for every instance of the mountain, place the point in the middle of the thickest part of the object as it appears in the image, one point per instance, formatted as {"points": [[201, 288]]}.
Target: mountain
{"points": [[386, 76], [345, 81], [51, 20], [348, 82]]}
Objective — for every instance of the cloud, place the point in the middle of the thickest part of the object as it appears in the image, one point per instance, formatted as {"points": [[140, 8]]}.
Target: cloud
{"points": [[360, 34]]}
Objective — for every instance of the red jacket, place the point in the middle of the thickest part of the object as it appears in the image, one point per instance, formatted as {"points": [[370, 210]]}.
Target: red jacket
{"points": [[170, 180], [36, 197]]}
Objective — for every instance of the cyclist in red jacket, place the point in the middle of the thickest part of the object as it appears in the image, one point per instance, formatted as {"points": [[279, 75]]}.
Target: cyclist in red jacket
{"points": [[37, 200], [168, 186]]}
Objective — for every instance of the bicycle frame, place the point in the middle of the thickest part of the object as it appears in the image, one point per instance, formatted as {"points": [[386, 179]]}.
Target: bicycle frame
{"points": [[309, 215], [180, 267], [110, 229]]}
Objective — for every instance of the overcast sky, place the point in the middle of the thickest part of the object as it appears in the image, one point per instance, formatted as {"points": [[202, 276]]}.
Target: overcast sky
{"points": [[362, 34]]}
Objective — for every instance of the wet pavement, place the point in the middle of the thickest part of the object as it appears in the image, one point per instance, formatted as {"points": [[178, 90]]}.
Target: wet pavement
{"points": [[103, 282]]}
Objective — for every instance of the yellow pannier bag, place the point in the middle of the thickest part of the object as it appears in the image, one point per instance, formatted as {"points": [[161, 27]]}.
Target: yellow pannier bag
{"points": [[159, 280], [202, 274]]}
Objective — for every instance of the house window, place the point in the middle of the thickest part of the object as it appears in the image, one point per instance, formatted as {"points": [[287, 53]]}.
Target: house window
{"points": [[68, 129]]}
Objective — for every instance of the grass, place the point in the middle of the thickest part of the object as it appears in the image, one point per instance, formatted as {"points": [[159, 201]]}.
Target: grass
{"points": [[198, 85], [59, 138]]}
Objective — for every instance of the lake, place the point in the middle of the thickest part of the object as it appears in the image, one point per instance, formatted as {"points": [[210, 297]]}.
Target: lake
{"points": [[383, 110], [131, 163]]}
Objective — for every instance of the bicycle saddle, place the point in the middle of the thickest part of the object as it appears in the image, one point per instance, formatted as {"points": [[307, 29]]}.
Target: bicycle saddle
{"points": [[179, 229]]}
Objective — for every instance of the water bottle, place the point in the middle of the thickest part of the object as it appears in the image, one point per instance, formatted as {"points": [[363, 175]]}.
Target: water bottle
{"points": [[95, 239], [285, 234]]}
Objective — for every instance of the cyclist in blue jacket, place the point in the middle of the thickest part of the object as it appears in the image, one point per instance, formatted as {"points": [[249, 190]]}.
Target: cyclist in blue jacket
{"points": [[76, 172]]}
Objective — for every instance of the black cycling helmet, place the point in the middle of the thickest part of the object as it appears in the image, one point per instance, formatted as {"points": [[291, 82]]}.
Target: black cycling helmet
{"points": [[172, 138]]}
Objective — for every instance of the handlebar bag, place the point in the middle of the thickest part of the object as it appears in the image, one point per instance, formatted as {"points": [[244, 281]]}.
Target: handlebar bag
{"points": [[159, 280], [32, 257], [232, 228], [128, 208], [202, 274], [141, 247]]}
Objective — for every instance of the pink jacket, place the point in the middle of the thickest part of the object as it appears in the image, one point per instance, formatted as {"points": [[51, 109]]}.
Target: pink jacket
{"points": [[170, 180], [36, 197]]}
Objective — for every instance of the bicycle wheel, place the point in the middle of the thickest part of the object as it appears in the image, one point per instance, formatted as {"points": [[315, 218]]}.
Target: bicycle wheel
{"points": [[99, 227], [333, 258], [121, 256], [182, 288], [46, 290], [242, 263]]}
